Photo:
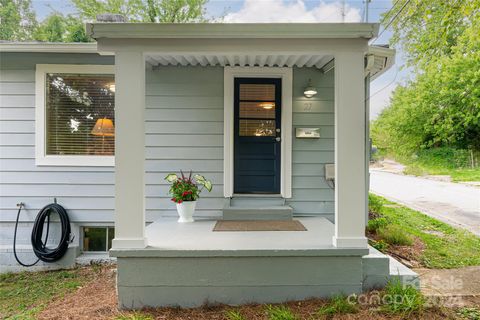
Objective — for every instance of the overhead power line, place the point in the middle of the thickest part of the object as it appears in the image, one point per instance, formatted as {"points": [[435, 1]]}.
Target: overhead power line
{"points": [[385, 87], [393, 19]]}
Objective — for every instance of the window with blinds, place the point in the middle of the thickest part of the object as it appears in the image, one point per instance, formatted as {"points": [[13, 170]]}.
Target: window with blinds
{"points": [[257, 110], [79, 114]]}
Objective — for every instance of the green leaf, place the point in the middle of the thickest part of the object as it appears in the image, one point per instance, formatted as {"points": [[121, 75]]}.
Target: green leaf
{"points": [[200, 178], [204, 182], [208, 185], [171, 177]]}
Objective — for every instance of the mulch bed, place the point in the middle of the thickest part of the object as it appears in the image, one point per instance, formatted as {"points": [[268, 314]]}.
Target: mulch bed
{"points": [[97, 300], [411, 256]]}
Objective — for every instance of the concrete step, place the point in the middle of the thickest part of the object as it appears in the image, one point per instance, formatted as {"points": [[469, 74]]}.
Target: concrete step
{"points": [[379, 269], [257, 213], [404, 274], [256, 202], [375, 269]]}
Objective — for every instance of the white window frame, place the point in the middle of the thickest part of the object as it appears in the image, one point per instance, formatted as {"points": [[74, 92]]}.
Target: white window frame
{"points": [[286, 74], [41, 157]]}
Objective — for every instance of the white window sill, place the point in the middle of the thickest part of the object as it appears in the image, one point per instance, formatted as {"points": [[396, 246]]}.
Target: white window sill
{"points": [[78, 161]]}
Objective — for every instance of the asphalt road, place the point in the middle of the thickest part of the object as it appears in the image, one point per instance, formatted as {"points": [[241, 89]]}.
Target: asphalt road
{"points": [[453, 203]]}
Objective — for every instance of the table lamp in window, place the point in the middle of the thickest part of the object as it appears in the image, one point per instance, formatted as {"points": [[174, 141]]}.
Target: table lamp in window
{"points": [[103, 128]]}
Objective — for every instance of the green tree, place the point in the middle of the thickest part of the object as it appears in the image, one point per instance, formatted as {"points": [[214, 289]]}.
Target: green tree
{"points": [[58, 28], [17, 20], [427, 29], [174, 11], [51, 29], [440, 106]]}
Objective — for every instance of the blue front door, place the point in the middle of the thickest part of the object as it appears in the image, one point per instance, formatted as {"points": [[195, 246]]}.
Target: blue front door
{"points": [[257, 135]]}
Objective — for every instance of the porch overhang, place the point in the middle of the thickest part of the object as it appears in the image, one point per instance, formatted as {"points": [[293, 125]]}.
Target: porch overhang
{"points": [[245, 45], [99, 30]]}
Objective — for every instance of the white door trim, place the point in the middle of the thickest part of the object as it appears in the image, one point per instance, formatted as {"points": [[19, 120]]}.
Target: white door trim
{"points": [[286, 74]]}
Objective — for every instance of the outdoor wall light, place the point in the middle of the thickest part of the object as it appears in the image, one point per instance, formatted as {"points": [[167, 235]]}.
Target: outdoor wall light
{"points": [[310, 90]]}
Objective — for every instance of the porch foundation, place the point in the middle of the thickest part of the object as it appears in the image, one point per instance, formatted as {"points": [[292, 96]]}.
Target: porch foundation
{"points": [[189, 265], [235, 279]]}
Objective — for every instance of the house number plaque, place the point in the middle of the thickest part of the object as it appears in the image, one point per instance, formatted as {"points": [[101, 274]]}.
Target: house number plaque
{"points": [[307, 133]]}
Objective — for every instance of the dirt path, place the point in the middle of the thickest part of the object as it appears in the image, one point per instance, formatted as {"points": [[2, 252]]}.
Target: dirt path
{"points": [[457, 287]]}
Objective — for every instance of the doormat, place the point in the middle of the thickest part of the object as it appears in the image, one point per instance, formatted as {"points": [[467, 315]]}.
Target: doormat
{"points": [[259, 225]]}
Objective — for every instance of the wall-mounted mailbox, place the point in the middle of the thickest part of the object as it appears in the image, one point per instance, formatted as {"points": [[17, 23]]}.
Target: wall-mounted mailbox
{"points": [[307, 133]]}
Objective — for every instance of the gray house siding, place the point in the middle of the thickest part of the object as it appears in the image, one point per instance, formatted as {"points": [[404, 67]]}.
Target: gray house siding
{"points": [[184, 130], [87, 192], [311, 195]]}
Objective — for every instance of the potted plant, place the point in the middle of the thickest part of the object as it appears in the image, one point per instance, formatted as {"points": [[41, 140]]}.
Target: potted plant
{"points": [[185, 192]]}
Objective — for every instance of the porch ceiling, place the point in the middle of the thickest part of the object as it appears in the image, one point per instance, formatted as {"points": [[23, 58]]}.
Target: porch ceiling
{"points": [[242, 60]]}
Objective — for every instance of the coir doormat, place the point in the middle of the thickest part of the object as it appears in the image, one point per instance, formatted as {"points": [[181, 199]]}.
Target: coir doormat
{"points": [[259, 225]]}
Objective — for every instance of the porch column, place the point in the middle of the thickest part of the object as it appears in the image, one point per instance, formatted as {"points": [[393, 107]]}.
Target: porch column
{"points": [[129, 150], [350, 178]]}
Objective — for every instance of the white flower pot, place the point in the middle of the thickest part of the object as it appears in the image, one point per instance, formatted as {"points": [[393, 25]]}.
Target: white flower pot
{"points": [[185, 211]]}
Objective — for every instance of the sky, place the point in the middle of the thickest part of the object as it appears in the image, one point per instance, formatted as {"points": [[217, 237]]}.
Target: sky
{"points": [[292, 11]]}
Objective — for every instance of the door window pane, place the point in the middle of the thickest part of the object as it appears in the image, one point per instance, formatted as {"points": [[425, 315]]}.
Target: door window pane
{"points": [[257, 110], [257, 91], [257, 128]]}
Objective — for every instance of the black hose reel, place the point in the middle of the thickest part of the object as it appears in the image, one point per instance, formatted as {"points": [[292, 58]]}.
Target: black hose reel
{"points": [[39, 242]]}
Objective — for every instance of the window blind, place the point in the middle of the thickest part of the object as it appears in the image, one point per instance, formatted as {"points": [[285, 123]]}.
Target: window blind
{"points": [[80, 114]]}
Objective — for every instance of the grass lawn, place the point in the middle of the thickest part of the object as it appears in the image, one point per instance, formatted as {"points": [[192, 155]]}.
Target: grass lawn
{"points": [[443, 246], [457, 174], [23, 295], [437, 161]]}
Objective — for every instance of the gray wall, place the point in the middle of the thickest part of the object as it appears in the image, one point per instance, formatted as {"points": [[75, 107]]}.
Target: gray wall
{"points": [[310, 194], [184, 129]]}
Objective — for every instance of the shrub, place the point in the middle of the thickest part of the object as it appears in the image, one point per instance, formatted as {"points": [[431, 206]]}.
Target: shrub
{"points": [[380, 245], [375, 203], [280, 313], [375, 224], [444, 157], [393, 234], [401, 299], [338, 305]]}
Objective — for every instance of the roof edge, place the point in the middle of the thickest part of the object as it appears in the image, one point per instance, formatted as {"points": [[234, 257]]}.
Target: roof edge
{"points": [[99, 30], [49, 47]]}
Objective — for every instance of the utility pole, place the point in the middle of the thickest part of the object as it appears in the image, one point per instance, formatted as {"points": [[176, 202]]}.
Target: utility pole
{"points": [[367, 2]]}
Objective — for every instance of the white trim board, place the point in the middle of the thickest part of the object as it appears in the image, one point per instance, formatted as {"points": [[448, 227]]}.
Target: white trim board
{"points": [[286, 74], [41, 158]]}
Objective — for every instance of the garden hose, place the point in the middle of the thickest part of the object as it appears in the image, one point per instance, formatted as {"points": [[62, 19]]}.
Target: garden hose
{"points": [[39, 246]]}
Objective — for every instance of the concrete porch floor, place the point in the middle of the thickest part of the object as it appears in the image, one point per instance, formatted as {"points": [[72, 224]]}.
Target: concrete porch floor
{"points": [[167, 234]]}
